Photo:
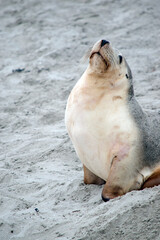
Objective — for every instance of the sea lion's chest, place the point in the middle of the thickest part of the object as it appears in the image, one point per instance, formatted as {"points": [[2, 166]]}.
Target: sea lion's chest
{"points": [[100, 127]]}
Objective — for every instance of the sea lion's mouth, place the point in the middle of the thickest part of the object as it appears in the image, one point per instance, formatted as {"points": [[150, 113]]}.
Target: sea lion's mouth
{"points": [[100, 56]]}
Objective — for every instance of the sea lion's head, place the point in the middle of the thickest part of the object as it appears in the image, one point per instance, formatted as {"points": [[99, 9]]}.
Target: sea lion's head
{"points": [[108, 64]]}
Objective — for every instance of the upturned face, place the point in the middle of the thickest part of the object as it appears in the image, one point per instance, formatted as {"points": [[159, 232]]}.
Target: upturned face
{"points": [[107, 62]]}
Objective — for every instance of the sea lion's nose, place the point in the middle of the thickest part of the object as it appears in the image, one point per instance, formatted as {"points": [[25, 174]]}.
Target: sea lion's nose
{"points": [[104, 42]]}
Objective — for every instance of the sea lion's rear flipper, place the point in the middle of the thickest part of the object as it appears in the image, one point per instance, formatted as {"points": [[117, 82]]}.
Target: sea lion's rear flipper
{"points": [[153, 180]]}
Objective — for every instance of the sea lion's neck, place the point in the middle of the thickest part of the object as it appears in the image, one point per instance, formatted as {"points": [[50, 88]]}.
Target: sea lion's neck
{"points": [[103, 81]]}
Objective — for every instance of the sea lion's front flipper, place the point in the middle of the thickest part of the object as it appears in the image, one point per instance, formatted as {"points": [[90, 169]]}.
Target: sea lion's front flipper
{"points": [[123, 177]]}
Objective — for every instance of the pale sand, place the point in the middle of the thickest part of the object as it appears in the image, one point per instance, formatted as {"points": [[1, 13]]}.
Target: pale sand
{"points": [[38, 165]]}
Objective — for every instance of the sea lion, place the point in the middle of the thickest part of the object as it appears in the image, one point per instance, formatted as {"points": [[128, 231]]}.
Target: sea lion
{"points": [[117, 142]]}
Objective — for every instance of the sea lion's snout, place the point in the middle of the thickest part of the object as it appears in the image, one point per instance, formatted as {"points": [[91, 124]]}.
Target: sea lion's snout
{"points": [[104, 42], [99, 56], [99, 47]]}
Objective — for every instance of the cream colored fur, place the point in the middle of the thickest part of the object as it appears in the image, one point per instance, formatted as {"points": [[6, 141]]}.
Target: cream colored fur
{"points": [[100, 125]]}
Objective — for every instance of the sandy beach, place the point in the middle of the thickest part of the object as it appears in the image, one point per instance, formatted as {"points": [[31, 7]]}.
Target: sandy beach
{"points": [[42, 44]]}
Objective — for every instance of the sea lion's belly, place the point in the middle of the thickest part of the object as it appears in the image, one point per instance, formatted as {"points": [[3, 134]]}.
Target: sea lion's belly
{"points": [[102, 133]]}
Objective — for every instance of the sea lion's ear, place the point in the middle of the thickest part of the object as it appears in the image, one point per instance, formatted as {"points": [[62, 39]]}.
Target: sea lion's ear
{"points": [[129, 73]]}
